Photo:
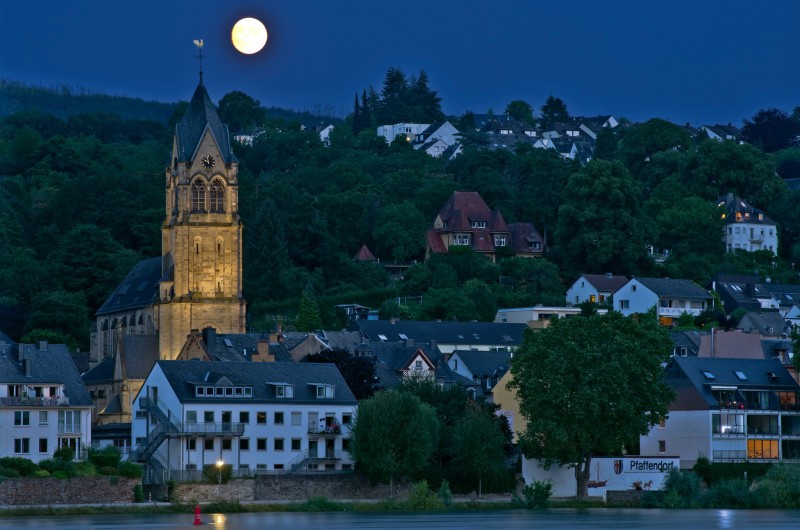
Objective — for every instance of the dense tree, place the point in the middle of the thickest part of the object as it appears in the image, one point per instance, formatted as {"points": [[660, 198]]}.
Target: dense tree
{"points": [[357, 371], [394, 434], [589, 385], [241, 112], [405, 99], [521, 110], [477, 445], [553, 111], [641, 142], [399, 232], [599, 224], [308, 317], [772, 130]]}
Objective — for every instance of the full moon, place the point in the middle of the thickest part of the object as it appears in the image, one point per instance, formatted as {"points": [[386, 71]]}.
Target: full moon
{"points": [[249, 35]]}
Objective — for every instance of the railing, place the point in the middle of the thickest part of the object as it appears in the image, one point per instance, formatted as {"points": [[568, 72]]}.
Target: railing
{"points": [[729, 429], [724, 454], [297, 462], [200, 429], [34, 402], [321, 428]]}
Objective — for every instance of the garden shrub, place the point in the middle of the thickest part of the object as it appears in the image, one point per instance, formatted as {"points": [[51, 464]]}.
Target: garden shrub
{"points": [[24, 466], [85, 469], [682, 489], [9, 472], [713, 473], [422, 498], [107, 470], [537, 494], [108, 456], [130, 469], [729, 493], [138, 493], [780, 487], [211, 473], [65, 454], [444, 494]]}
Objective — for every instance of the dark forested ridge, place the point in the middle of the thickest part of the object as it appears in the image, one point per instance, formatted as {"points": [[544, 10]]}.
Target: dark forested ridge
{"points": [[82, 180]]}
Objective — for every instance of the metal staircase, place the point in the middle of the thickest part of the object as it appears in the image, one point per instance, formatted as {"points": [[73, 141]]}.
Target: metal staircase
{"points": [[167, 425]]}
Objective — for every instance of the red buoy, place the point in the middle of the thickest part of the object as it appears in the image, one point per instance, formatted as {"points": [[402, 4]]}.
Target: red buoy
{"points": [[197, 520]]}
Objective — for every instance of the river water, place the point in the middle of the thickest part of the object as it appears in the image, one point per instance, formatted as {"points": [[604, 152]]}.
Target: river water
{"points": [[562, 518]]}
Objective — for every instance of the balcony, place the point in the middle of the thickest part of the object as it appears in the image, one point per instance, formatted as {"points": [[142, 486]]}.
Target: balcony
{"points": [[324, 428], [209, 429], [34, 402], [678, 311]]}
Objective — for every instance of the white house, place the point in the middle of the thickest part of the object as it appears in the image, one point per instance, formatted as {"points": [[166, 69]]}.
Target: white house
{"points": [[325, 135], [747, 227], [44, 404], [254, 416], [537, 314], [672, 298], [409, 130], [729, 410], [595, 288]]}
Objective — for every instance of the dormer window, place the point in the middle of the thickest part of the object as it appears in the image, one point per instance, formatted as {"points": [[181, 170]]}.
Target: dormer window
{"points": [[478, 224], [499, 241], [284, 390], [324, 391]]}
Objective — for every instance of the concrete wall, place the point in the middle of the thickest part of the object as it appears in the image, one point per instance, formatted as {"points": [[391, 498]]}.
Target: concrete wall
{"points": [[83, 490]]}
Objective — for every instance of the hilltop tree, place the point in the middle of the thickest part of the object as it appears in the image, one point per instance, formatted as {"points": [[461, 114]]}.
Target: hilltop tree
{"points": [[308, 317], [641, 142], [521, 110], [241, 112], [553, 111], [772, 130], [589, 385]]}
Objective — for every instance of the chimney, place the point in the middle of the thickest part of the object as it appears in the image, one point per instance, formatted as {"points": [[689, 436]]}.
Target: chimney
{"points": [[20, 352], [273, 337], [433, 345], [610, 274], [209, 335], [42, 345], [26, 366], [262, 353], [409, 343]]}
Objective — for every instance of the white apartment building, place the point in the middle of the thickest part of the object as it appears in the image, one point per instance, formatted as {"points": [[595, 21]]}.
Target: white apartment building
{"points": [[253, 416], [747, 227]]}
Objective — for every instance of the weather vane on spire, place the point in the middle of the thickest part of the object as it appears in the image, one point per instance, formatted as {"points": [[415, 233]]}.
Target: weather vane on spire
{"points": [[199, 44]]}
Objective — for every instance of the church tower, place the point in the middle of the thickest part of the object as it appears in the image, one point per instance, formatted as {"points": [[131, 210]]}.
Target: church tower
{"points": [[201, 237]]}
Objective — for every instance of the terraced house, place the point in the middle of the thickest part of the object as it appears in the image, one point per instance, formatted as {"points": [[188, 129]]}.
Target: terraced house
{"points": [[255, 417]]}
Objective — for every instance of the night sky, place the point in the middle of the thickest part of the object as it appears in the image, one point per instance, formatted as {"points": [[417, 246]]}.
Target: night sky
{"points": [[698, 61]]}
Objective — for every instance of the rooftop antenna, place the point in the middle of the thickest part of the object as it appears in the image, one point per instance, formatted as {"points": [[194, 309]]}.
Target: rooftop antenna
{"points": [[199, 44]]}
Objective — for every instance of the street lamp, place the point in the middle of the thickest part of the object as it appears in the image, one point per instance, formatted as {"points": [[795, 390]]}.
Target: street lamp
{"points": [[220, 463]]}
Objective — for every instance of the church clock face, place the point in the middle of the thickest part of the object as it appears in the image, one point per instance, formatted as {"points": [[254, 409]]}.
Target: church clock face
{"points": [[208, 161]]}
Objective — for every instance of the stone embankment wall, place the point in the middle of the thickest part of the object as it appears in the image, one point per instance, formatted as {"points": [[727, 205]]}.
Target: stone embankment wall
{"points": [[280, 487], [81, 490]]}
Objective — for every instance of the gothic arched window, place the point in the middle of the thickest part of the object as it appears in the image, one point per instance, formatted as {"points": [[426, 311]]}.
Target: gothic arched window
{"points": [[198, 195], [217, 196]]}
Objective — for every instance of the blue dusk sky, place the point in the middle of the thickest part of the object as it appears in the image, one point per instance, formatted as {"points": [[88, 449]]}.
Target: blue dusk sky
{"points": [[697, 61]]}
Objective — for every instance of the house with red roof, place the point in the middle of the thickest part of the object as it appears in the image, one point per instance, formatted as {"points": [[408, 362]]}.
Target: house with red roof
{"points": [[466, 220]]}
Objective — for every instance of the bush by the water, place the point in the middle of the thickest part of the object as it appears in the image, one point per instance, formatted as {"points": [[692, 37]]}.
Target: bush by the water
{"points": [[108, 456], [537, 494], [422, 498], [713, 473]]}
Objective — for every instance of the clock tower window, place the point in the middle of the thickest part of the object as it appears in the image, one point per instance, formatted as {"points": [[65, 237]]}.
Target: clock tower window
{"points": [[217, 196], [198, 196]]}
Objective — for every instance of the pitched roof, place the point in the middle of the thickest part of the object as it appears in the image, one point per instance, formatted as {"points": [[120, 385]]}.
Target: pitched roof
{"points": [[485, 363], [364, 254], [605, 283], [183, 375], [392, 358], [140, 353], [103, 372], [524, 236], [764, 323], [51, 365], [139, 289], [201, 114], [738, 210], [760, 374], [461, 333], [686, 289], [239, 347], [731, 345]]}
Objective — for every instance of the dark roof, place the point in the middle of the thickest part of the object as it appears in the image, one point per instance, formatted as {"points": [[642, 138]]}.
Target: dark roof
{"points": [[765, 323], [183, 375], [50, 365], [464, 208], [139, 289], [341, 340], [686, 289], [485, 363], [523, 237], [239, 347], [391, 358], [605, 283], [111, 430], [738, 210], [113, 407], [5, 338], [201, 114], [140, 354], [102, 373], [762, 374], [81, 360], [461, 333], [689, 339]]}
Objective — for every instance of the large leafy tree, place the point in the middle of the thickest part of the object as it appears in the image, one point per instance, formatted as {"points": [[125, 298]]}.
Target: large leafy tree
{"points": [[521, 110], [241, 112], [599, 224], [641, 142], [358, 372], [772, 130], [394, 434], [589, 385]]}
